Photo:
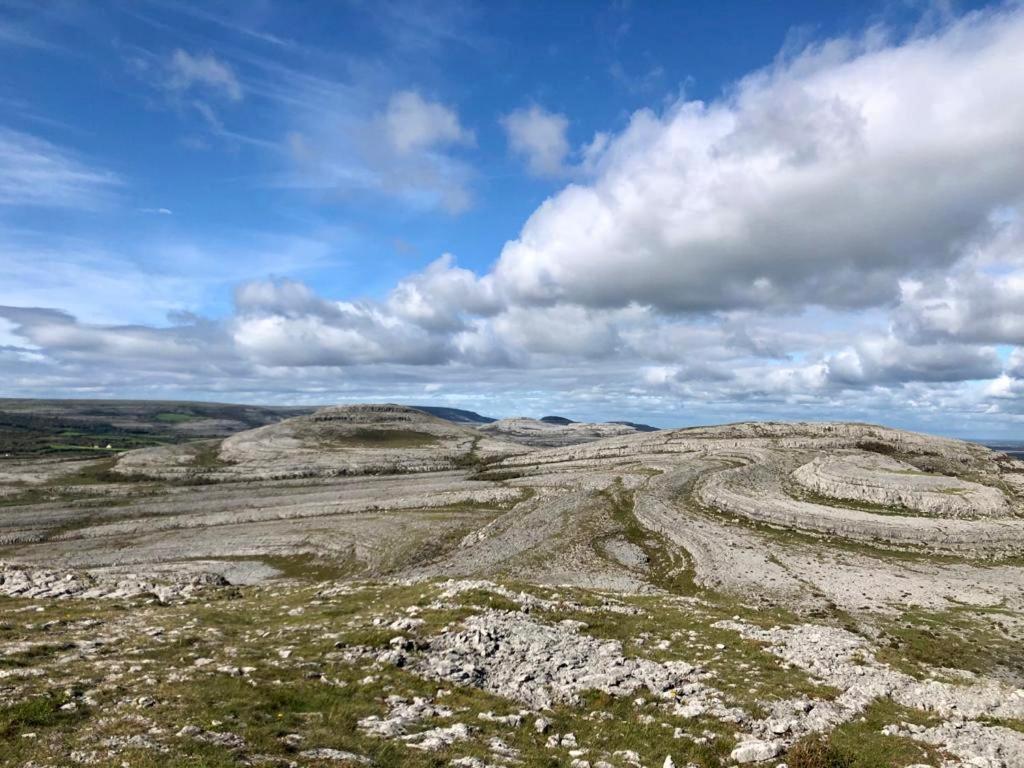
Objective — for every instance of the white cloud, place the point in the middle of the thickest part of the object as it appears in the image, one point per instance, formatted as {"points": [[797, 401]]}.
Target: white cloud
{"points": [[563, 332], [440, 297], [59, 333], [888, 360], [540, 137], [282, 297], [1006, 392], [965, 306], [186, 71], [283, 323], [286, 344], [34, 172], [822, 180], [412, 123]]}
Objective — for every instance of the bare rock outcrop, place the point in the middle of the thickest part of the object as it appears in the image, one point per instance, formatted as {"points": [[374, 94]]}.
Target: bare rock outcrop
{"points": [[40, 583], [539, 664], [885, 481], [756, 492]]}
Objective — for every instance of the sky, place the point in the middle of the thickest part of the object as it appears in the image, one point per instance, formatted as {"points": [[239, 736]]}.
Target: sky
{"points": [[675, 213]]}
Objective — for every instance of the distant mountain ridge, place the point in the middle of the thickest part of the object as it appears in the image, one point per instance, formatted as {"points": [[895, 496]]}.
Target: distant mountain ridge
{"points": [[456, 415], [637, 427], [462, 416], [561, 420]]}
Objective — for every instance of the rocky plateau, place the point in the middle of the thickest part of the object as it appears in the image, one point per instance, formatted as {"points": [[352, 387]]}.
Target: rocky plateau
{"points": [[375, 585]]}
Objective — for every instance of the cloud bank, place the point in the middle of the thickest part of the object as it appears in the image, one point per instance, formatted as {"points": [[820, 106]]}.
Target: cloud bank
{"points": [[821, 180]]}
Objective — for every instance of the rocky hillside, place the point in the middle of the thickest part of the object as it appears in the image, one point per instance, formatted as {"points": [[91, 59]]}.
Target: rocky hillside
{"points": [[344, 440]]}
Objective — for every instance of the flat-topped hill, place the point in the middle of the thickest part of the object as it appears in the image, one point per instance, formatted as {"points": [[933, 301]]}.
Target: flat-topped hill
{"points": [[332, 441]]}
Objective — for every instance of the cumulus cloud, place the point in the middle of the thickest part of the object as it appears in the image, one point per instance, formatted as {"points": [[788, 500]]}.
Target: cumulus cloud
{"points": [[888, 360], [284, 343], [562, 331], [540, 137], [979, 300], [186, 71], [823, 180], [440, 316], [35, 172], [442, 296], [1006, 392], [282, 323], [277, 297], [352, 335], [1006, 395], [972, 307]]}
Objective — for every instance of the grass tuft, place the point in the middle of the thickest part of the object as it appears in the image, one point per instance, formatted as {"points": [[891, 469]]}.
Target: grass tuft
{"points": [[817, 752]]}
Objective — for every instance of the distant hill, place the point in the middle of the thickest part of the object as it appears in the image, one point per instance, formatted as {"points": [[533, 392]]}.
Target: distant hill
{"points": [[637, 427], [562, 421], [87, 428], [556, 420], [456, 415]]}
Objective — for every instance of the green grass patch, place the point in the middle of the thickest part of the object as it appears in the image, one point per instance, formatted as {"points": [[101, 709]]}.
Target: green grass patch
{"points": [[959, 638], [861, 743], [817, 751], [206, 455], [380, 438], [34, 713], [497, 475], [310, 567], [668, 567]]}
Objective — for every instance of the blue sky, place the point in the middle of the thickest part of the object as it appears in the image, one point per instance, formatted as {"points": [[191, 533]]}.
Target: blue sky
{"points": [[97, 82], [671, 212]]}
